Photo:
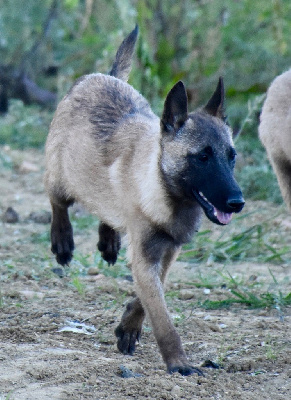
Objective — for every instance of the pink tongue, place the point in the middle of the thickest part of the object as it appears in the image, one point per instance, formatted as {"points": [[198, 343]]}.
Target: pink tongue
{"points": [[223, 218]]}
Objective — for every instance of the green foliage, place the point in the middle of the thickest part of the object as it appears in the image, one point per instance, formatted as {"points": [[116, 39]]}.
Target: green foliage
{"points": [[79, 285], [40, 238], [120, 269], [258, 182], [250, 299], [249, 243], [24, 126], [20, 26], [83, 222], [193, 41]]}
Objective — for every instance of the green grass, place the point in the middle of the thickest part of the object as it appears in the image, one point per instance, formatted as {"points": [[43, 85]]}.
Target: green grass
{"points": [[235, 291], [24, 126], [8, 396], [41, 238], [79, 285], [250, 299], [120, 269], [238, 243], [83, 222]]}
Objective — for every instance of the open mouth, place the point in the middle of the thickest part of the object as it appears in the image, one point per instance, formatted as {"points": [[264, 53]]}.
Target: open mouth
{"points": [[212, 213]]}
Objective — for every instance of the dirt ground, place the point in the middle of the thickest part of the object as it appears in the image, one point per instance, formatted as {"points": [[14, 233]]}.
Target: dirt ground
{"points": [[57, 332]]}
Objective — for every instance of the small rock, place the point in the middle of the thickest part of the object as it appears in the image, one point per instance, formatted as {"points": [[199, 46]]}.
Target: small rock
{"points": [[185, 294], [58, 271], [125, 372], [206, 291], [40, 217], [95, 278], [92, 379], [210, 364], [128, 278], [201, 380], [176, 391], [27, 167], [10, 216], [125, 287], [215, 328], [245, 365], [30, 294], [108, 286], [93, 271]]}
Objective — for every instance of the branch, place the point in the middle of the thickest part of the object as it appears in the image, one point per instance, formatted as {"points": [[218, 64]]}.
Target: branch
{"points": [[18, 85]]}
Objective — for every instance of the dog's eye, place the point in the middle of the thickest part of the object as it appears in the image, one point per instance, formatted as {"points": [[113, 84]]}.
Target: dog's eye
{"points": [[203, 157], [205, 154], [232, 155]]}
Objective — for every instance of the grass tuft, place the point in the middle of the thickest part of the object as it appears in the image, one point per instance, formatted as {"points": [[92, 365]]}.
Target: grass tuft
{"points": [[250, 299], [251, 243]]}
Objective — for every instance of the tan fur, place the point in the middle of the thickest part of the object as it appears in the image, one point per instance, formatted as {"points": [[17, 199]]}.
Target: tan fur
{"points": [[103, 186], [88, 176], [275, 131]]}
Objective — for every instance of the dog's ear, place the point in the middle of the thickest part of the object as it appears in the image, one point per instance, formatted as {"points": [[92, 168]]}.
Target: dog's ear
{"points": [[215, 105], [175, 109]]}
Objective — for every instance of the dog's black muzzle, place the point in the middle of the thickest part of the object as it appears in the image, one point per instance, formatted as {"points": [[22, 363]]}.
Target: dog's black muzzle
{"points": [[235, 204], [220, 217]]}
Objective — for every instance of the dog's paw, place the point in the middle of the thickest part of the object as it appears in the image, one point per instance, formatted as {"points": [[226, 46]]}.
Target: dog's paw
{"points": [[109, 243], [126, 339], [62, 247], [109, 252]]}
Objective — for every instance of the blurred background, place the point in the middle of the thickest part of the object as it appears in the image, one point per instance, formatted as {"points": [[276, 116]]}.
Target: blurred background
{"points": [[45, 46]]}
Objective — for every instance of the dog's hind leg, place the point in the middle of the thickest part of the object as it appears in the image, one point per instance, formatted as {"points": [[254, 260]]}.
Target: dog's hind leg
{"points": [[61, 232], [109, 243], [129, 329]]}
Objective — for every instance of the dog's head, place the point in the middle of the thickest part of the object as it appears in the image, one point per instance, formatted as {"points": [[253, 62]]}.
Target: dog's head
{"points": [[198, 156]]}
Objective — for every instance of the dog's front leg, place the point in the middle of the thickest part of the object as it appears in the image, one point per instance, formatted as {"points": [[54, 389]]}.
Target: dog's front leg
{"points": [[147, 269], [130, 327]]}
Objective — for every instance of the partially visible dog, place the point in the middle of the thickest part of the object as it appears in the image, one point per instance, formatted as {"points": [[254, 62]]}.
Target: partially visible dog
{"points": [[275, 131], [147, 177]]}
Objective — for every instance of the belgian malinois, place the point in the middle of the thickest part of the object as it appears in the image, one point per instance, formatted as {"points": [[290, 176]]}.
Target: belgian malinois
{"points": [[147, 177], [275, 131]]}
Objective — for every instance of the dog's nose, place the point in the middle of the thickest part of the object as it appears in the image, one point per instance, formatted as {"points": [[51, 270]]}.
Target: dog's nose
{"points": [[236, 204]]}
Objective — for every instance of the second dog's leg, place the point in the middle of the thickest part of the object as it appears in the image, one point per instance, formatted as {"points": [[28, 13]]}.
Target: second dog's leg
{"points": [[282, 168]]}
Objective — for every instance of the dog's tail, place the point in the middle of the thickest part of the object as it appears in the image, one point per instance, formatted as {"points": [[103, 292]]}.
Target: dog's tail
{"points": [[122, 64]]}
